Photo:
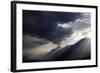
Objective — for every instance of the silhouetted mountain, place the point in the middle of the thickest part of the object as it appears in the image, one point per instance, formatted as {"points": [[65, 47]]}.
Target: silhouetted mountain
{"points": [[80, 50]]}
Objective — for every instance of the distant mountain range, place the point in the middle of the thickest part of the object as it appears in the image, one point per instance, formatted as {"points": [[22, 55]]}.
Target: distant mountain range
{"points": [[78, 51]]}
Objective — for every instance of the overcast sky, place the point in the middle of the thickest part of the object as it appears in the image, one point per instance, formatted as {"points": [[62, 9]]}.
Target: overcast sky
{"points": [[53, 25]]}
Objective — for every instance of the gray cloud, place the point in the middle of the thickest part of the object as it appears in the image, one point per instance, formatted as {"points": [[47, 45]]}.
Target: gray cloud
{"points": [[30, 41], [84, 21]]}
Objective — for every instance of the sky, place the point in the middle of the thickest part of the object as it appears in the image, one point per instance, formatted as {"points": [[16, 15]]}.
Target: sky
{"points": [[58, 28], [48, 25]]}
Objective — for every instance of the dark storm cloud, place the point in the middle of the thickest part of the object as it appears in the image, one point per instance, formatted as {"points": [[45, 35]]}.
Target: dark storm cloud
{"points": [[45, 23]]}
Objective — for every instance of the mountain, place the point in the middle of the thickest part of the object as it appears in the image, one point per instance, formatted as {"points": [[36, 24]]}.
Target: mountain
{"points": [[78, 51]]}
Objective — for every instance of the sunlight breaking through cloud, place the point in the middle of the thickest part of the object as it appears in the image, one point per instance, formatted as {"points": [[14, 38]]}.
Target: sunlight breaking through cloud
{"points": [[75, 37]]}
